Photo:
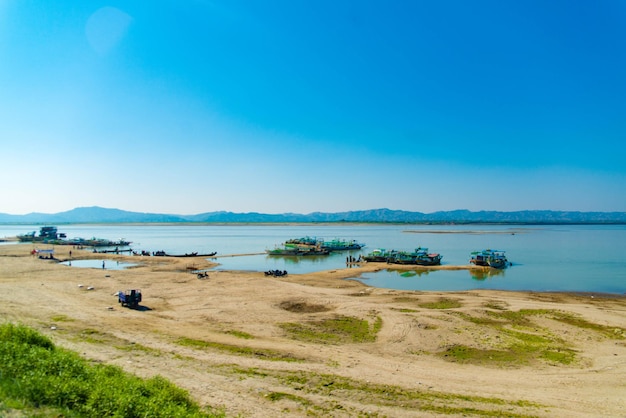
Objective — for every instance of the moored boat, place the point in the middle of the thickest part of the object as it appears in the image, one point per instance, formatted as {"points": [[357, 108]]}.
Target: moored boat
{"points": [[489, 258], [420, 257], [341, 245], [304, 241], [91, 242], [297, 250], [46, 233], [50, 235], [379, 255]]}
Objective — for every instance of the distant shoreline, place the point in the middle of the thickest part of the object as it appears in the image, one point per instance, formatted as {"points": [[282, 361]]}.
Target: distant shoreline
{"points": [[381, 223], [96, 214]]}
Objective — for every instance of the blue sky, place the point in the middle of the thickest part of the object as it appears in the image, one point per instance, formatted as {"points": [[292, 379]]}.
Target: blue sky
{"points": [[302, 106]]}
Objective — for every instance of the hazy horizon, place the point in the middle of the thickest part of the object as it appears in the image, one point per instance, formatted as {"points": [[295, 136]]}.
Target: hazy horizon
{"points": [[294, 213], [244, 106]]}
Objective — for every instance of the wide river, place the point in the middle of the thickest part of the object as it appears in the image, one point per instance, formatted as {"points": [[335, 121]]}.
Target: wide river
{"points": [[576, 258]]}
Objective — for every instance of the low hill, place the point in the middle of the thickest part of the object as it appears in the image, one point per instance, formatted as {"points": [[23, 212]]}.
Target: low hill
{"points": [[96, 214]]}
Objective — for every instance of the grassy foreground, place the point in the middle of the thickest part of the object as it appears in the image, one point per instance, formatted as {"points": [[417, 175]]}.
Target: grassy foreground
{"points": [[40, 379]]}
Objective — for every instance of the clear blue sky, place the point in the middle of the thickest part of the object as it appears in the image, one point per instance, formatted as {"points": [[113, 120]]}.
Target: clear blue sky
{"points": [[301, 106]]}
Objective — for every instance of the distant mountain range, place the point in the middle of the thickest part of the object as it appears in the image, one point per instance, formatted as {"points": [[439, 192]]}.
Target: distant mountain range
{"points": [[97, 214]]}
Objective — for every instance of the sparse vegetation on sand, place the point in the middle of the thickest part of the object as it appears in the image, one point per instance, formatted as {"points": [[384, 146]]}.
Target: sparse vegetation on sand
{"points": [[341, 329], [245, 345], [521, 340]]}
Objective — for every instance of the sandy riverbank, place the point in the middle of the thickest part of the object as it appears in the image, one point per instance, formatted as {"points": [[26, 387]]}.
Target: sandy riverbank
{"points": [[263, 347]]}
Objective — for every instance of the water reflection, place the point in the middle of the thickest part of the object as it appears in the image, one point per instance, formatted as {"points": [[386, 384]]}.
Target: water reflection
{"points": [[101, 264], [486, 273], [410, 273], [294, 265]]}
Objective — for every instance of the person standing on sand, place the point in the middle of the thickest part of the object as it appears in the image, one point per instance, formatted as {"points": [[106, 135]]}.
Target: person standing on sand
{"points": [[102, 263]]}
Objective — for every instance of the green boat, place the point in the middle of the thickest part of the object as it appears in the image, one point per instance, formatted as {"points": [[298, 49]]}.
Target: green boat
{"points": [[420, 257], [50, 235], [380, 255], [341, 245], [297, 250], [489, 258], [46, 233]]}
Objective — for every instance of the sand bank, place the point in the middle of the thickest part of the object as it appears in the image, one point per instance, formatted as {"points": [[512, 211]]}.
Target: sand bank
{"points": [[296, 345]]}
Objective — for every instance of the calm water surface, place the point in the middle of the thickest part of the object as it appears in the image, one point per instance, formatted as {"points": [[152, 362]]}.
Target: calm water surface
{"points": [[581, 258]]}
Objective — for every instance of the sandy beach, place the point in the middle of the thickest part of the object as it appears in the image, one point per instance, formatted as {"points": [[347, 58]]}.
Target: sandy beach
{"points": [[322, 345]]}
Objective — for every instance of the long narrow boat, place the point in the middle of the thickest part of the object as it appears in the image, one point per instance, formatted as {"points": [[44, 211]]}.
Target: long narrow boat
{"points": [[195, 254]]}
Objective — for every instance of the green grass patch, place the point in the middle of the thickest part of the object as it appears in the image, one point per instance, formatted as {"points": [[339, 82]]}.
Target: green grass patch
{"points": [[520, 318], [496, 304], [516, 354], [92, 336], [277, 396], [337, 330], [522, 341], [558, 355], [523, 318], [471, 355], [605, 330], [61, 318], [443, 303], [321, 394], [480, 320], [405, 310], [260, 353], [38, 378], [138, 348], [240, 334]]}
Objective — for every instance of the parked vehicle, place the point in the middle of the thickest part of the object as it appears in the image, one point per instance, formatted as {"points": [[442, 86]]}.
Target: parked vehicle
{"points": [[129, 298]]}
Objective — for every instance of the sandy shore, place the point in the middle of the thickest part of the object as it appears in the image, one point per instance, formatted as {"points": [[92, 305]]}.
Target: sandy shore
{"points": [[261, 346]]}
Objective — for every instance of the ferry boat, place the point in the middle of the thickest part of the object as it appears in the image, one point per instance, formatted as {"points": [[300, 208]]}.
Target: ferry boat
{"points": [[420, 257], [332, 245], [489, 258], [297, 250], [46, 233], [379, 255], [50, 235], [341, 245]]}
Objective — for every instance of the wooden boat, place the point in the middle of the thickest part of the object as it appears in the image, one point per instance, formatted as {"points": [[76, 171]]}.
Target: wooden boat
{"points": [[379, 255], [46, 233], [297, 250], [341, 245], [332, 245], [489, 258], [92, 242], [194, 254], [424, 258], [420, 257], [304, 241], [115, 251], [49, 235]]}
